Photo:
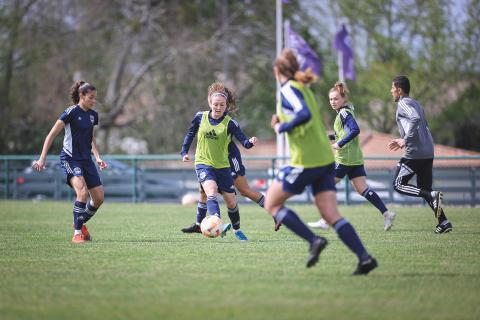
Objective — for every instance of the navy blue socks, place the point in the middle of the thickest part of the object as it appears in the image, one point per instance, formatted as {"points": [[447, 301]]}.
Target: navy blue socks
{"points": [[347, 234], [261, 201], [293, 222], [201, 211], [89, 212], [212, 206], [78, 214], [374, 199]]}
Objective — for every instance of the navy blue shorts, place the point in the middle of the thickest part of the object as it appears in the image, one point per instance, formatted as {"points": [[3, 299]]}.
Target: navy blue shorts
{"points": [[352, 171], [223, 177], [85, 168], [236, 165], [296, 179]]}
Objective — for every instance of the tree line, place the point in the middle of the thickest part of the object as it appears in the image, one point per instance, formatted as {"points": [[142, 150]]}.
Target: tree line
{"points": [[152, 61]]}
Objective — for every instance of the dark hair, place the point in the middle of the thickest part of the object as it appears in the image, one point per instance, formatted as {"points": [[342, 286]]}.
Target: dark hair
{"points": [[218, 87], [80, 87], [341, 88], [287, 65], [403, 83]]}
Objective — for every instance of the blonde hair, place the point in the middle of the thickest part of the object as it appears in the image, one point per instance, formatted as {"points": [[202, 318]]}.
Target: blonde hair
{"points": [[287, 65], [220, 88], [341, 88]]}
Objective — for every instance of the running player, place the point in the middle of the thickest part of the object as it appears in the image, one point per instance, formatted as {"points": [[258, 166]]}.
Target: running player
{"points": [[79, 143], [419, 153], [349, 156], [312, 164]]}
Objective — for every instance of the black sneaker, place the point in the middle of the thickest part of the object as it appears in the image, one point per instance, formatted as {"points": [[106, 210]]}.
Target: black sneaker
{"points": [[443, 227], [437, 203], [315, 248], [194, 228], [365, 266]]}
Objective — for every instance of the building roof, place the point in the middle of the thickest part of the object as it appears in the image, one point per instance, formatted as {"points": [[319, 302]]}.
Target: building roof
{"points": [[375, 145]]}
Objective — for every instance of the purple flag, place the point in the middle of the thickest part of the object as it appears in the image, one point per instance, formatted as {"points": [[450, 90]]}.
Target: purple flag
{"points": [[305, 55], [343, 44]]}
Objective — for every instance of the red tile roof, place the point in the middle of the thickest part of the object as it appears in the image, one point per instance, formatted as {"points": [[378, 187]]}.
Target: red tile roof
{"points": [[374, 144]]}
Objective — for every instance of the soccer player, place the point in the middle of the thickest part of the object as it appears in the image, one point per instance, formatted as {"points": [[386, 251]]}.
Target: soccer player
{"points": [[214, 130], [76, 156], [349, 156], [419, 153], [241, 184], [312, 164]]}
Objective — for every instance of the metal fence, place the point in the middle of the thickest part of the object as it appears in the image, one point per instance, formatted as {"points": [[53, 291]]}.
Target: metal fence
{"points": [[165, 178]]}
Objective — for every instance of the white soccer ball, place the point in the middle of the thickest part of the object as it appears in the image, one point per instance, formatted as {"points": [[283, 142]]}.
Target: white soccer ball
{"points": [[211, 226]]}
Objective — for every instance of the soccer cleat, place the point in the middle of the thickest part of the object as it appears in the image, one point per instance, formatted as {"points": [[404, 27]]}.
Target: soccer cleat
{"points": [[365, 266], [194, 228], [277, 224], [437, 197], [320, 224], [316, 248], [226, 227], [86, 234], [444, 227], [240, 235], [78, 238], [389, 217]]}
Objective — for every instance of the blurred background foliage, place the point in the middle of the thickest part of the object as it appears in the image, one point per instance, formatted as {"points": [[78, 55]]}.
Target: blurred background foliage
{"points": [[153, 60]]}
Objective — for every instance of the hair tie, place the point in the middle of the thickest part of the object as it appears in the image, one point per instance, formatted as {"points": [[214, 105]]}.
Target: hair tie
{"points": [[220, 94]]}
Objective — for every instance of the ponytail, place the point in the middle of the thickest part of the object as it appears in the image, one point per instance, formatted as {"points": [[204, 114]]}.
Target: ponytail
{"points": [[80, 87], [287, 65]]}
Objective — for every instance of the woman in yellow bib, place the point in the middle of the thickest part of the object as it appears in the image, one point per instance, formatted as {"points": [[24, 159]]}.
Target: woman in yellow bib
{"points": [[214, 130], [311, 164]]}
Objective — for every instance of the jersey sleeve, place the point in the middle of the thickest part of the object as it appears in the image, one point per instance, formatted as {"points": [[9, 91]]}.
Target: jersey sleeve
{"points": [[410, 119], [191, 133], [350, 126], [293, 100], [66, 116], [235, 130], [95, 122]]}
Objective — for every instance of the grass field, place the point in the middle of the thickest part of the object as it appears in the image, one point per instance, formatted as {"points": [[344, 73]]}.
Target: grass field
{"points": [[140, 266]]}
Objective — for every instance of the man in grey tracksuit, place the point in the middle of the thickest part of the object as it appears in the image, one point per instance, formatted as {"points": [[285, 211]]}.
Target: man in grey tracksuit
{"points": [[418, 159]]}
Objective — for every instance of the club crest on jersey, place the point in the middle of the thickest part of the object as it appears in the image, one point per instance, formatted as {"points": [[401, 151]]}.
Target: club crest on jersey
{"points": [[92, 119], [79, 118], [77, 171], [211, 135]]}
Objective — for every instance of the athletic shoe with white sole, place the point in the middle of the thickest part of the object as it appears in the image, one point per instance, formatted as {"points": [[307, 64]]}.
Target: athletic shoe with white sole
{"points": [[226, 227], [389, 216], [320, 224], [444, 227], [240, 235]]}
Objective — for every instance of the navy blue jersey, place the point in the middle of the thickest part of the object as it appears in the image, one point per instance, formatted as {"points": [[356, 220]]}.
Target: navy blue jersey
{"points": [[77, 143], [233, 130]]}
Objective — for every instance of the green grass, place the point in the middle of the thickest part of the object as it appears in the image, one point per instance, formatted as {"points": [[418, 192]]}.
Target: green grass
{"points": [[140, 266]]}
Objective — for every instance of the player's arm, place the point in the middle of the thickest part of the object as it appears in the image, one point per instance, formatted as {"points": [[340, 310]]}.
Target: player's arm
{"points": [[191, 133], [351, 128], [410, 114], [57, 127], [293, 100], [235, 130], [101, 164]]}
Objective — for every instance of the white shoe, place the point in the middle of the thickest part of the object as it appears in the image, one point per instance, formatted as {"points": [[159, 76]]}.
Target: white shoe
{"points": [[389, 217], [320, 224]]}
